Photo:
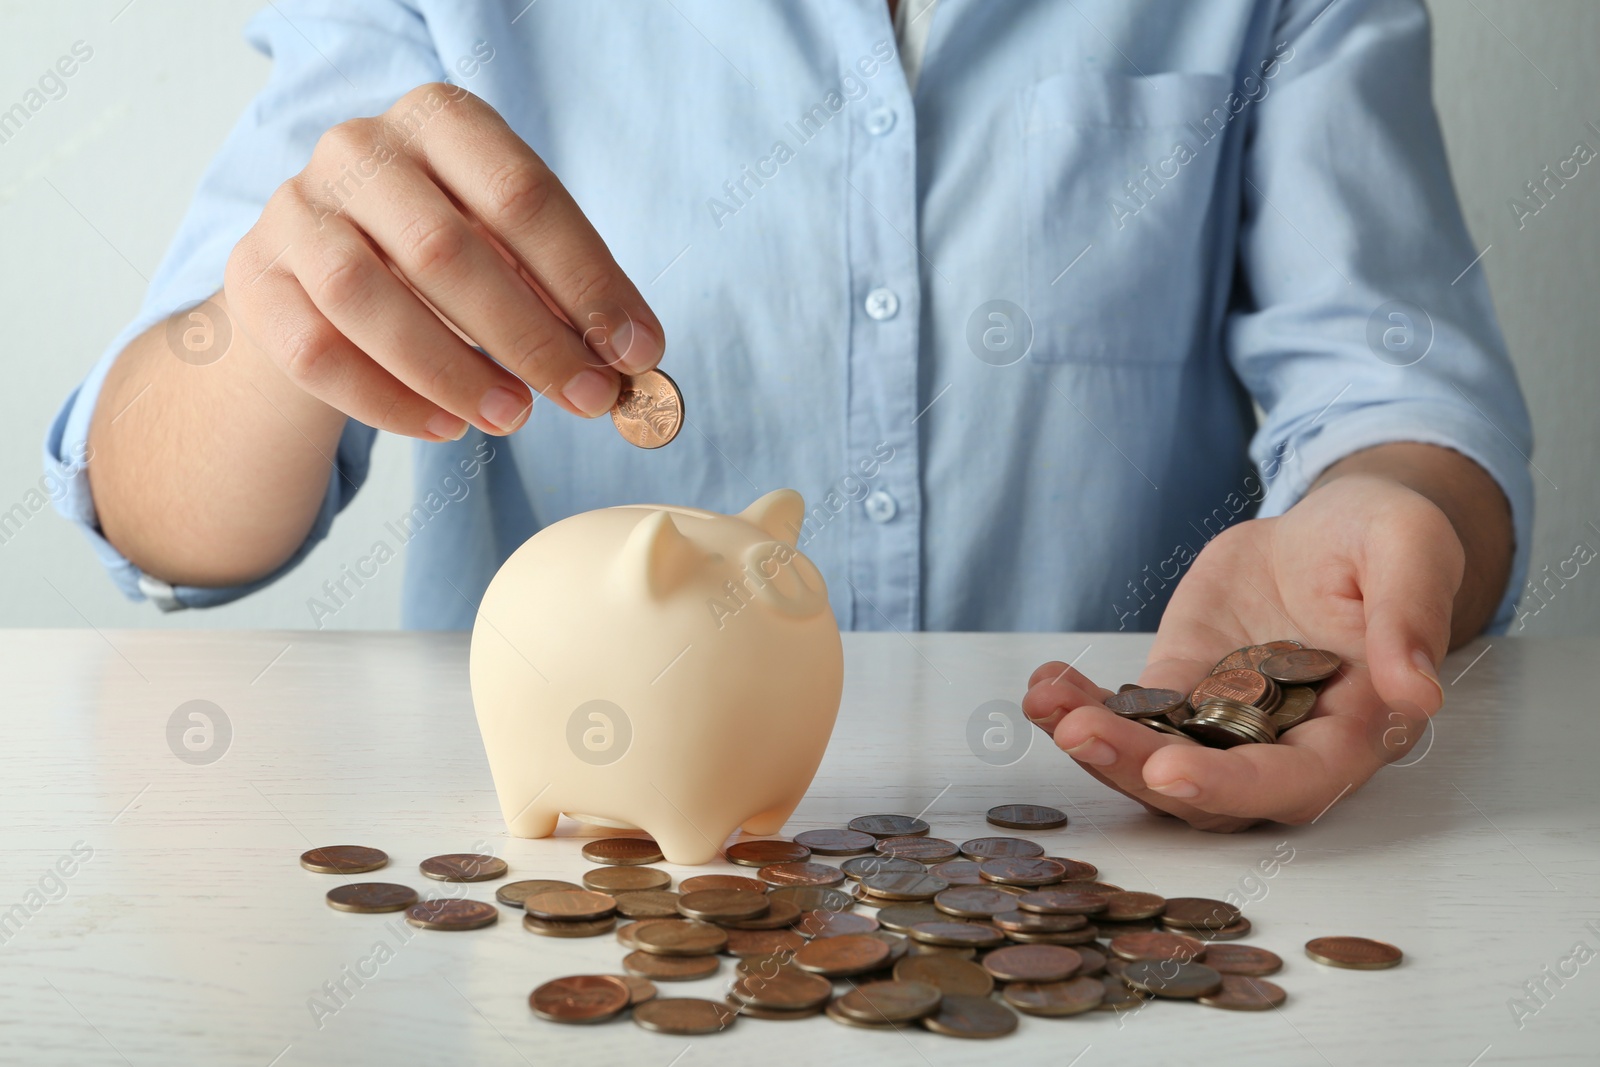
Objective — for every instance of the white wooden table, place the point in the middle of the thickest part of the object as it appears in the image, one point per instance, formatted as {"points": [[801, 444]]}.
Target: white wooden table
{"points": [[191, 935]]}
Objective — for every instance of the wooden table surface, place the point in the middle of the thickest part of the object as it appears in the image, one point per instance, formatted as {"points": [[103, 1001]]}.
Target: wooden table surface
{"points": [[152, 910]]}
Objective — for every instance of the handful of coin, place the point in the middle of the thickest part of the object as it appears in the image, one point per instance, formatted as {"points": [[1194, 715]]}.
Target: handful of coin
{"points": [[1253, 695]]}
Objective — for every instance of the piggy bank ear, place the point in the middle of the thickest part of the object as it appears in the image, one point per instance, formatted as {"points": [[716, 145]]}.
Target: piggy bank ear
{"points": [[779, 515], [657, 557]]}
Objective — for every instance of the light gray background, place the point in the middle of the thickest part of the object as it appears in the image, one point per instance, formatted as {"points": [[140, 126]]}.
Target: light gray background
{"points": [[93, 187]]}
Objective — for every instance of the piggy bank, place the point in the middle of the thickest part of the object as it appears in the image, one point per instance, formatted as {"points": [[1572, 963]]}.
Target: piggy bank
{"points": [[659, 668]]}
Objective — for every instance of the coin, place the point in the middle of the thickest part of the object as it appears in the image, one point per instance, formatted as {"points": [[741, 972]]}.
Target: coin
{"points": [[788, 990], [452, 914], [1156, 946], [1298, 703], [667, 938], [832, 1011], [370, 898], [834, 924], [1070, 997], [899, 945], [1119, 995], [840, 957], [1032, 963], [813, 898], [343, 859], [1081, 936], [779, 913], [1238, 993], [902, 917], [1357, 953], [767, 966], [670, 968], [626, 935], [1145, 703], [625, 879], [639, 989], [957, 872], [646, 903], [1240, 684], [960, 1016], [926, 850], [1245, 960], [762, 942], [762, 853], [1303, 666], [904, 886], [684, 1016], [924, 948], [622, 851], [992, 848], [720, 881], [513, 894], [1079, 871], [891, 1002], [1061, 902], [889, 826], [801, 874], [836, 842], [1033, 922], [1226, 933], [649, 409], [947, 974], [714, 905], [581, 998], [1171, 978], [859, 867], [1026, 816], [1200, 912], [463, 867], [1128, 907], [1028, 872], [571, 905], [1094, 961], [1252, 656], [569, 927], [974, 901], [956, 934]]}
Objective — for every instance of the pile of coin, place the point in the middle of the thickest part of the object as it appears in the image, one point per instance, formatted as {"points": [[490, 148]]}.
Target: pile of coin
{"points": [[964, 936], [1253, 695]]}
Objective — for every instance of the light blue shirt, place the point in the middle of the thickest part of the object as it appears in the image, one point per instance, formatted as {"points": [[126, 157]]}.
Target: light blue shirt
{"points": [[1003, 332]]}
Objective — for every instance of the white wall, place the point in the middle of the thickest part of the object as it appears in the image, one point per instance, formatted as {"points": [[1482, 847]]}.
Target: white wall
{"points": [[93, 187]]}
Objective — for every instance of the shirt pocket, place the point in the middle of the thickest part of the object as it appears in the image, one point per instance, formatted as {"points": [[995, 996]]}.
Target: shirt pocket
{"points": [[1120, 176]]}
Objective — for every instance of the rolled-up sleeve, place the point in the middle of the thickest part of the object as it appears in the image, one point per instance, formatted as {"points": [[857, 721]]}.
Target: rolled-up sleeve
{"points": [[1363, 317], [331, 61]]}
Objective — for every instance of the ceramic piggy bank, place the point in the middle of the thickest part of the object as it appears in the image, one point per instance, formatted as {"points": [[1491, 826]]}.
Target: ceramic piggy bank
{"points": [[661, 668]]}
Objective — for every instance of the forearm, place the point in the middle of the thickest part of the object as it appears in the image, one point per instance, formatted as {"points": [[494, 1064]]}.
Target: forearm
{"points": [[1475, 506], [207, 475]]}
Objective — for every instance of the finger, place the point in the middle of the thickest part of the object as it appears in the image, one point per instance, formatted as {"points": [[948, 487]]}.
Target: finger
{"points": [[1060, 691], [1115, 746], [504, 183], [1409, 576]]}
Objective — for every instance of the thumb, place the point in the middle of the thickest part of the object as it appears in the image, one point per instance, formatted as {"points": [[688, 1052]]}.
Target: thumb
{"points": [[1411, 570]]}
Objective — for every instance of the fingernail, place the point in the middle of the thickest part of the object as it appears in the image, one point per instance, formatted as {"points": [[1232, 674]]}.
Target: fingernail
{"points": [[447, 427], [503, 409], [1094, 752], [1178, 787], [632, 349], [1424, 664], [592, 392]]}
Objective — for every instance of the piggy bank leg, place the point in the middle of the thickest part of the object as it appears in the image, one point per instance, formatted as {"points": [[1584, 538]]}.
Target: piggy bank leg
{"points": [[689, 843], [532, 821], [771, 820]]}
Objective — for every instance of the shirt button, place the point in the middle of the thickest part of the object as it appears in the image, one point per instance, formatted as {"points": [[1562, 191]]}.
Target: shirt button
{"points": [[880, 506], [880, 120], [882, 304]]}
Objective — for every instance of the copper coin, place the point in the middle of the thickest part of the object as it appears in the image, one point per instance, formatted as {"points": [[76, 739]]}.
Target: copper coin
{"points": [[343, 859], [667, 938], [925, 850], [1079, 871], [684, 1016], [1171, 978], [1094, 961], [801, 874], [788, 990], [974, 901], [1156, 946], [1128, 687], [779, 914], [1027, 872], [904, 886], [582, 998], [832, 1011], [993, 848], [714, 905], [1070, 997], [902, 917], [960, 1016], [1357, 953], [639, 989], [1253, 656], [899, 945], [1303, 666], [463, 867], [649, 409], [1119, 995], [1201, 912], [957, 872], [891, 1002], [836, 842], [1026, 816], [1239, 993], [720, 881], [647, 903], [622, 851], [569, 927], [1033, 922], [370, 898], [947, 974], [956, 934], [814, 898], [1246, 960], [834, 924], [840, 957], [762, 853], [1129, 907], [767, 966], [1227, 933], [889, 826], [1081, 936], [1145, 703], [513, 894], [625, 879], [1240, 684], [572, 905], [1136, 926], [1032, 963], [452, 914], [1062, 902], [1298, 703], [924, 948], [627, 935], [670, 968], [762, 942], [859, 867]]}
